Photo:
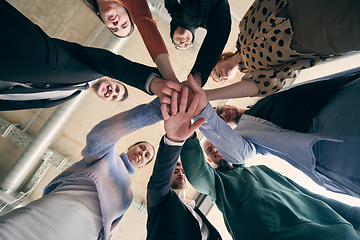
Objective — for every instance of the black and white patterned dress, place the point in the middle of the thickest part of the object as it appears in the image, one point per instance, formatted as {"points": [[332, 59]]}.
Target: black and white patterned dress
{"points": [[264, 44]]}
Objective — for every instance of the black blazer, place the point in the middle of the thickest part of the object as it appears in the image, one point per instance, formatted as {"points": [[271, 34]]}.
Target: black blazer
{"points": [[41, 63], [215, 17], [6, 105], [168, 217]]}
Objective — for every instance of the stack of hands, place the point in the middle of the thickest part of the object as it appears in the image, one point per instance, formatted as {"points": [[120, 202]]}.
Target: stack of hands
{"points": [[180, 104]]}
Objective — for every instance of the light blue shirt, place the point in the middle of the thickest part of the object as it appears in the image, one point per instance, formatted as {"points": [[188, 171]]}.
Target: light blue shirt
{"points": [[302, 150]]}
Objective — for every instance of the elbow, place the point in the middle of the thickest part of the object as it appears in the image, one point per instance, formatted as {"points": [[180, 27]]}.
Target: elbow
{"points": [[90, 145]]}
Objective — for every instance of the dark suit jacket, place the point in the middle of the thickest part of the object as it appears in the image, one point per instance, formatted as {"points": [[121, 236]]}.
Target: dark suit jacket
{"points": [[42, 63], [168, 217]]}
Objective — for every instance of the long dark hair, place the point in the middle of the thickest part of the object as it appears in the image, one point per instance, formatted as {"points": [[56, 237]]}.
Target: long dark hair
{"points": [[92, 4]]}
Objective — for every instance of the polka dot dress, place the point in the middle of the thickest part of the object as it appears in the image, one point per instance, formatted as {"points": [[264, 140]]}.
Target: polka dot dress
{"points": [[264, 46]]}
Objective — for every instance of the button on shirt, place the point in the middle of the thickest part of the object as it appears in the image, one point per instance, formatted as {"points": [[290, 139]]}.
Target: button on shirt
{"points": [[238, 149]]}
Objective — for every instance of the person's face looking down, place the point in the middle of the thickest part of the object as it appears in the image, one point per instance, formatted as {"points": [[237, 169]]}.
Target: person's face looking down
{"points": [[228, 113], [182, 39], [224, 70], [109, 89], [212, 153], [179, 181], [140, 154], [115, 17]]}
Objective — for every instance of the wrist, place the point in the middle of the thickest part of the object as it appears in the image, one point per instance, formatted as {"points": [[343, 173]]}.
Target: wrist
{"points": [[208, 95], [148, 82], [163, 63], [192, 136], [156, 85], [171, 77], [172, 141], [197, 78]]}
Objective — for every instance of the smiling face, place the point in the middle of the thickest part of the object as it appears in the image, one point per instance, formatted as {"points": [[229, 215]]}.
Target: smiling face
{"points": [[228, 113], [179, 180], [140, 154], [182, 39], [115, 17], [212, 153], [109, 89]]}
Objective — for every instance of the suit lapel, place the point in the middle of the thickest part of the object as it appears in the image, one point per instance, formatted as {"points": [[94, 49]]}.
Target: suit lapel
{"points": [[213, 233], [16, 88], [19, 105]]}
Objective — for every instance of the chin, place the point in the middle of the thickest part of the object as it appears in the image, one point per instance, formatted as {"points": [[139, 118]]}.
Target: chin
{"points": [[133, 163]]}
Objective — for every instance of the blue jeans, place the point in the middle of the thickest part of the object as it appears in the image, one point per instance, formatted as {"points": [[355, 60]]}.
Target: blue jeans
{"points": [[339, 119]]}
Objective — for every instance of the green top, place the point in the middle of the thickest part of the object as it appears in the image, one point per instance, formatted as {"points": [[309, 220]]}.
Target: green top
{"points": [[259, 203]]}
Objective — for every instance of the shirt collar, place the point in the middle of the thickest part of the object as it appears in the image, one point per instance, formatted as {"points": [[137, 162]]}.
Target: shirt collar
{"points": [[181, 194], [92, 83]]}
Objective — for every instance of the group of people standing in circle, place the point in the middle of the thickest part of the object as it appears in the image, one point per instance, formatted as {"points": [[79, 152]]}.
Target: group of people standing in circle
{"points": [[276, 40]]}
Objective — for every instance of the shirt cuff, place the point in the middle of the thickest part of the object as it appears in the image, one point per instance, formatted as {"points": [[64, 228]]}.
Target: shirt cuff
{"points": [[172, 143], [92, 83], [148, 81], [206, 113]]}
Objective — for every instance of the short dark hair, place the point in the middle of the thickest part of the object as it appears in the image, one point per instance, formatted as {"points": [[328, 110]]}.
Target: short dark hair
{"points": [[126, 94], [137, 143], [92, 4]]}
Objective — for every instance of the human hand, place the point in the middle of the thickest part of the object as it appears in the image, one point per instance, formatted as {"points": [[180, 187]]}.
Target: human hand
{"points": [[157, 85], [178, 125], [171, 86], [203, 101], [167, 90], [191, 92], [163, 63]]}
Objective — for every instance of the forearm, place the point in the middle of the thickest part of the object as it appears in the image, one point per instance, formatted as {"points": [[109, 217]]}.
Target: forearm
{"points": [[160, 180], [218, 30], [163, 63], [198, 172], [236, 90], [156, 86], [232, 146], [147, 27], [197, 78], [117, 67], [105, 134]]}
